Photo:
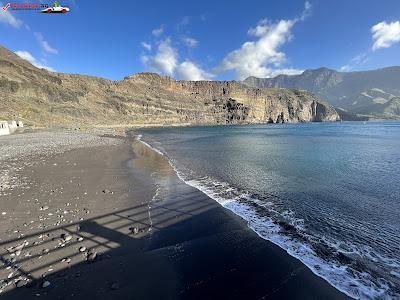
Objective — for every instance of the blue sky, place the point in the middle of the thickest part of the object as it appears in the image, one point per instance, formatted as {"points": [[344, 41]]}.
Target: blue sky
{"points": [[206, 39]]}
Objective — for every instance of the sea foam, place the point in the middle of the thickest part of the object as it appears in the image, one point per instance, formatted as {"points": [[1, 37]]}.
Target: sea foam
{"points": [[356, 284]]}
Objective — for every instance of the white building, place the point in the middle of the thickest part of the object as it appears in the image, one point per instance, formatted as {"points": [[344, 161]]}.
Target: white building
{"points": [[4, 129], [10, 127]]}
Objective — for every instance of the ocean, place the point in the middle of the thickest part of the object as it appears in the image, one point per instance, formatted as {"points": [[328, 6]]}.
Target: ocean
{"points": [[327, 193]]}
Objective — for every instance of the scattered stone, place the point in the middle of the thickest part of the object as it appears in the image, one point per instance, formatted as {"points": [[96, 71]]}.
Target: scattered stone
{"points": [[134, 230], [80, 239], [115, 286], [66, 237], [46, 284], [66, 260], [92, 256], [20, 283], [107, 191], [82, 249]]}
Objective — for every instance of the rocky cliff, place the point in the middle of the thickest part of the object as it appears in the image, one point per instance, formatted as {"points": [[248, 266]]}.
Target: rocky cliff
{"points": [[372, 93], [54, 99]]}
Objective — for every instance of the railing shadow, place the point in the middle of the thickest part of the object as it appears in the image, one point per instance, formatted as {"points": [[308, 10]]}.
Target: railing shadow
{"points": [[31, 260]]}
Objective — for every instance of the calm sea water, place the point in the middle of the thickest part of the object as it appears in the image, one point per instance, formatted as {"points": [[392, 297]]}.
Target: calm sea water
{"points": [[328, 193]]}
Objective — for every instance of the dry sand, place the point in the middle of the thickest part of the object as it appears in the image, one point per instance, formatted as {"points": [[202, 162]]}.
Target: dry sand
{"points": [[84, 216]]}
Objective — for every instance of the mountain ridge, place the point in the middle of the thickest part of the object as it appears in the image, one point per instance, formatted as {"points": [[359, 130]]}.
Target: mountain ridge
{"points": [[44, 98], [349, 91]]}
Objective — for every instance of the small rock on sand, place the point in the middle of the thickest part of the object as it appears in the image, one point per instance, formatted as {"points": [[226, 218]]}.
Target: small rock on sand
{"points": [[92, 256], [134, 230], [82, 249], [21, 283], [115, 286], [66, 237], [46, 284]]}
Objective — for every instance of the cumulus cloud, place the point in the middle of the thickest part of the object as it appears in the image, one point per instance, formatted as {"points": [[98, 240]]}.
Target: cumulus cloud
{"points": [[262, 57], [165, 60], [27, 56], [44, 44], [8, 18], [190, 42], [254, 57], [385, 34], [158, 31], [146, 46], [190, 71]]}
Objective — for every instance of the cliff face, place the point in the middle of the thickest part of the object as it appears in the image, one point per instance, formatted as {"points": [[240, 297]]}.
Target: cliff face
{"points": [[370, 93], [54, 99]]}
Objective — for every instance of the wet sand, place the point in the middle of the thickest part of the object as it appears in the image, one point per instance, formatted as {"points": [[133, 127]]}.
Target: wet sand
{"points": [[112, 221]]}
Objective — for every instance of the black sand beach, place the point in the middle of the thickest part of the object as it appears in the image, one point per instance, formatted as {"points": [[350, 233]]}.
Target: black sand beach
{"points": [[115, 222]]}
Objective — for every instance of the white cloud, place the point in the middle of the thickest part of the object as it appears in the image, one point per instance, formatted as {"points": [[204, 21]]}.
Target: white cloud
{"points": [[44, 44], [190, 71], [185, 21], [253, 58], [306, 12], [358, 60], [158, 31], [262, 57], [27, 56], [345, 68], [8, 18], [385, 34], [165, 60], [284, 71], [146, 46], [190, 42]]}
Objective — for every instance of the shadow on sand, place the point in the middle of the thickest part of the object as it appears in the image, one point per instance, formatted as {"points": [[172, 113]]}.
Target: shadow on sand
{"points": [[181, 245]]}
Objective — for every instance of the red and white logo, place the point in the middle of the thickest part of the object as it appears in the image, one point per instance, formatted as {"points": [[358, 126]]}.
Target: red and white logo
{"points": [[56, 9], [6, 6]]}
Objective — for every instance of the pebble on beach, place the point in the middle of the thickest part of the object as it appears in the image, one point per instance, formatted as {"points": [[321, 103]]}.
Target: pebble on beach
{"points": [[115, 286]]}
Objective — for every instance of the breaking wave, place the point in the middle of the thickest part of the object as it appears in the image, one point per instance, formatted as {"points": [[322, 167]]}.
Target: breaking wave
{"points": [[323, 257]]}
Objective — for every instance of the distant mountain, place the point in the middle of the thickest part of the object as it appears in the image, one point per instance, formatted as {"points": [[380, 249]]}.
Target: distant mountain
{"points": [[374, 93], [44, 98]]}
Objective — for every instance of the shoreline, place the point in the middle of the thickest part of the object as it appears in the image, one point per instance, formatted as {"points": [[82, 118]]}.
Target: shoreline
{"points": [[235, 213], [245, 218], [148, 229]]}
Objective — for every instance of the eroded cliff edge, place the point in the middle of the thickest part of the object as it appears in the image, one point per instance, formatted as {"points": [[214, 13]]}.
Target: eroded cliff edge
{"points": [[55, 99]]}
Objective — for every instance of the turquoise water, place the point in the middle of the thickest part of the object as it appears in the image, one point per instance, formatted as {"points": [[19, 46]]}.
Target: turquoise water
{"points": [[328, 193]]}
